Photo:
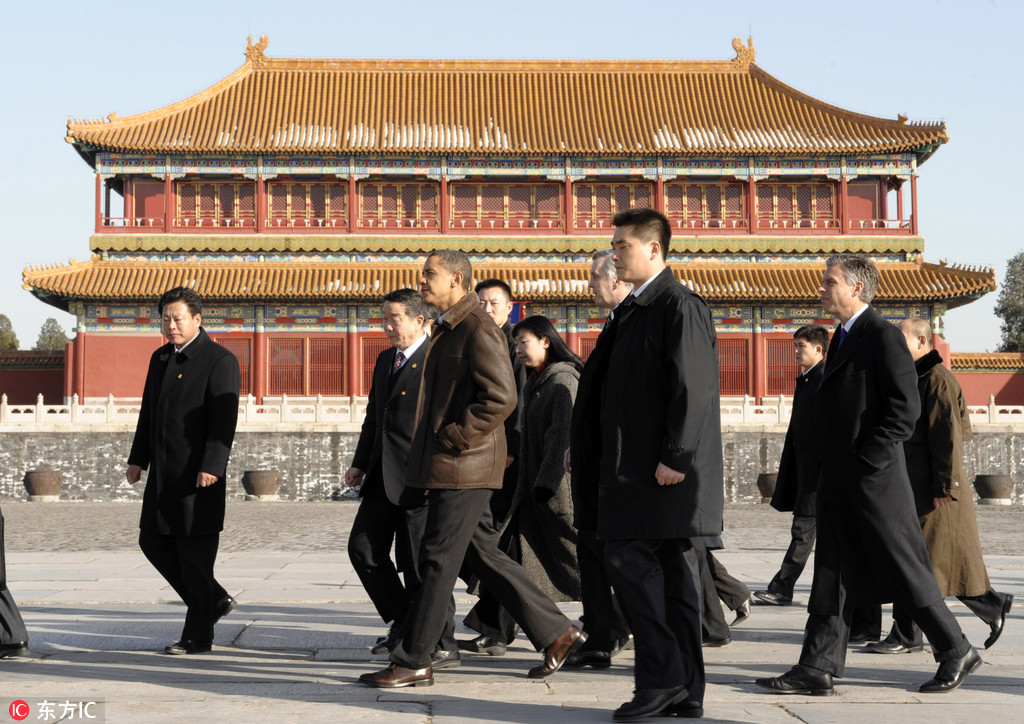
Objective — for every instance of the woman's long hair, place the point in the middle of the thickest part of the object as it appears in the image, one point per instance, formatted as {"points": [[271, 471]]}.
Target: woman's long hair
{"points": [[558, 350]]}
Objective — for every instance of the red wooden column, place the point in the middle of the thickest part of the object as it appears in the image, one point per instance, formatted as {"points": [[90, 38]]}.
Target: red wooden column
{"points": [[568, 215], [659, 194], [899, 202], [843, 206], [572, 331], [913, 205], [354, 370], [260, 373], [261, 204], [751, 206], [129, 201], [353, 203], [168, 203], [445, 208], [757, 361], [79, 381], [99, 203]]}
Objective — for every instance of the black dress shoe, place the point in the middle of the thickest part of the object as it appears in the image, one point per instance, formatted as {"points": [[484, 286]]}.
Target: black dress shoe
{"points": [[799, 680], [224, 606], [558, 651], [621, 645], [742, 613], [187, 646], [952, 673], [1000, 622], [483, 645], [594, 658], [386, 644], [715, 643], [441, 659], [9, 651], [395, 676], [889, 645], [860, 638], [650, 702], [774, 599], [685, 710]]}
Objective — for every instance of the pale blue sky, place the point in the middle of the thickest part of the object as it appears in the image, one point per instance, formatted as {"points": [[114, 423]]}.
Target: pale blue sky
{"points": [[957, 61]]}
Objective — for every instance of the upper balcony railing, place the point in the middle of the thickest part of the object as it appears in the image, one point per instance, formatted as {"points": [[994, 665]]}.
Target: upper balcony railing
{"points": [[697, 227]]}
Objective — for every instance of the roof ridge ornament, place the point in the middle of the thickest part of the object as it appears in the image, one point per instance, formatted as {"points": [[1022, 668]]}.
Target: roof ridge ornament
{"points": [[744, 53], [254, 53]]}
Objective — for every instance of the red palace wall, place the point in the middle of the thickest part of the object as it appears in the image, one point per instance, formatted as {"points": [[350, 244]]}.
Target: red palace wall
{"points": [[113, 364], [22, 387], [1007, 387]]}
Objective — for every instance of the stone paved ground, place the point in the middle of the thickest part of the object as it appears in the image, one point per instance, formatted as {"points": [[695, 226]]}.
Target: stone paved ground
{"points": [[324, 526], [98, 616]]}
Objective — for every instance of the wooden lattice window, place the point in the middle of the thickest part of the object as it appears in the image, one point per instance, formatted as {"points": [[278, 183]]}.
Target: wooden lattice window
{"points": [[705, 205], [795, 202], [371, 349], [219, 201], [597, 203], [401, 204], [327, 366], [733, 366], [496, 205], [318, 204], [284, 366], [242, 349], [782, 368], [587, 345]]}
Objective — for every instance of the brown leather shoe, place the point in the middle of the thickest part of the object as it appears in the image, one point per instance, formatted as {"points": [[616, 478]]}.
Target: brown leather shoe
{"points": [[396, 676], [557, 652]]}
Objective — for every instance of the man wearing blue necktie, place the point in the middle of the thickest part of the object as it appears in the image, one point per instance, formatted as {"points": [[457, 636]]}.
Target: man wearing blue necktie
{"points": [[870, 549]]}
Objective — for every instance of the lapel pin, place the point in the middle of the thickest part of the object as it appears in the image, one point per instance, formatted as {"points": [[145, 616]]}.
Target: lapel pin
{"points": [[179, 375]]}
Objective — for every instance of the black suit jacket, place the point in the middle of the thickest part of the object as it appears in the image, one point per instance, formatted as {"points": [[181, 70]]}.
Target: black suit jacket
{"points": [[386, 434], [585, 433], [660, 404], [796, 485], [869, 537], [186, 426]]}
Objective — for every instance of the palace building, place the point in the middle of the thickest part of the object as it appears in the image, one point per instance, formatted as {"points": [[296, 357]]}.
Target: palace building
{"points": [[294, 193]]}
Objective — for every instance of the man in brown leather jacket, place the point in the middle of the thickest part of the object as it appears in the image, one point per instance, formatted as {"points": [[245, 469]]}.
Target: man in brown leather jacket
{"points": [[458, 455]]}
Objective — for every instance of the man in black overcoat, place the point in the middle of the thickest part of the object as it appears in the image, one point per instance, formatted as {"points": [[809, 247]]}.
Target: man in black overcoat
{"points": [[870, 549], [603, 619], [661, 464], [389, 512], [183, 437], [796, 485], [13, 634]]}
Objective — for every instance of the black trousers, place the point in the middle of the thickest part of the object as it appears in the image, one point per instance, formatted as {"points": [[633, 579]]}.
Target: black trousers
{"points": [[988, 606], [378, 524], [716, 584], [657, 583], [488, 616], [801, 544], [603, 618], [826, 637], [460, 531], [186, 562], [12, 626]]}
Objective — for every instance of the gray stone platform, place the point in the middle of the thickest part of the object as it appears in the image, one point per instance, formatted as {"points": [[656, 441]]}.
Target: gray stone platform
{"points": [[98, 616]]}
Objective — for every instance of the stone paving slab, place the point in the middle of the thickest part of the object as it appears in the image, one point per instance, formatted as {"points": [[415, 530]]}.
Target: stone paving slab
{"points": [[295, 646]]}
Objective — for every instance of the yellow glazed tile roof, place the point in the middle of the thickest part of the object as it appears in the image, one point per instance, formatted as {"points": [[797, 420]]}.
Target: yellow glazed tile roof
{"points": [[98, 279], [524, 107], [1003, 361]]}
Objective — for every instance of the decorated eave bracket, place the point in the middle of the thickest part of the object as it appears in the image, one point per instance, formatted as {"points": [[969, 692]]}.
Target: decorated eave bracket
{"points": [[901, 165]]}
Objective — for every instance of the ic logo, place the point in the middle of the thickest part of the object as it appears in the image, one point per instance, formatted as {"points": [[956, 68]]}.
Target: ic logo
{"points": [[18, 710]]}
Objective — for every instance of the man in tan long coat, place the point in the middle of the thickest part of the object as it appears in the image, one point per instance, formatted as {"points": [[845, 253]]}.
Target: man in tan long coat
{"points": [[943, 498]]}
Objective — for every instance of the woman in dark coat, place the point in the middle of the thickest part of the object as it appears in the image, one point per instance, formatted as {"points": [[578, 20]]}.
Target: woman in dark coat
{"points": [[543, 495]]}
